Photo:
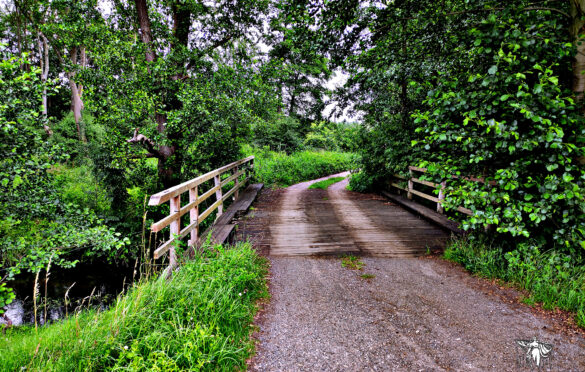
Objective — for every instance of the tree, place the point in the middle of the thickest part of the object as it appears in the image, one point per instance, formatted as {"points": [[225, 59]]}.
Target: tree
{"points": [[167, 62]]}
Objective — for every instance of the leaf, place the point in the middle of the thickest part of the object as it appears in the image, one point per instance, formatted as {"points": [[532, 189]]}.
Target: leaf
{"points": [[493, 70]]}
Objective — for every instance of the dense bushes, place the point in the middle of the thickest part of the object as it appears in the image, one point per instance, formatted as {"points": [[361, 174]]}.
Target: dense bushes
{"points": [[515, 124], [199, 320]]}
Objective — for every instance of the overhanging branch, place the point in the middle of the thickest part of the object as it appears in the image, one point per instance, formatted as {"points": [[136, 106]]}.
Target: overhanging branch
{"points": [[149, 144]]}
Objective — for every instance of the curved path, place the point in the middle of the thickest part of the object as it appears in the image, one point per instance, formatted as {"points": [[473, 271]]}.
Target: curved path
{"points": [[412, 314], [334, 221]]}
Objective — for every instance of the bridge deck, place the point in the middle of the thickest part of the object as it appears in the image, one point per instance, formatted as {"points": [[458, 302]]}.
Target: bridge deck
{"points": [[298, 221]]}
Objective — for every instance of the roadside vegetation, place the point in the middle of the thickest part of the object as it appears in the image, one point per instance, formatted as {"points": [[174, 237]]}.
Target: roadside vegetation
{"points": [[198, 320], [553, 279]]}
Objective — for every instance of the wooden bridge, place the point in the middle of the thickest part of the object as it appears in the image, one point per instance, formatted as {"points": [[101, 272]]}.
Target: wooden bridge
{"points": [[298, 220]]}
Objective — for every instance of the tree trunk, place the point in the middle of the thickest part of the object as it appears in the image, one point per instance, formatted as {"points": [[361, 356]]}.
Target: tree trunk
{"points": [[145, 30], [44, 62], [76, 91], [169, 156]]}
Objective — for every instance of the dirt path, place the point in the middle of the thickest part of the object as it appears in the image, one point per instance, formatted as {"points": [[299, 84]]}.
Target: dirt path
{"points": [[415, 314]]}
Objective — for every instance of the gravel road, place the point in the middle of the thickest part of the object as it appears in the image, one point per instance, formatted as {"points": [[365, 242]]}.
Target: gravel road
{"points": [[415, 314]]}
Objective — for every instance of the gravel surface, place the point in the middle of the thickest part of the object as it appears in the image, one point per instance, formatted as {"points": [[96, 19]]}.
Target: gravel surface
{"points": [[415, 314]]}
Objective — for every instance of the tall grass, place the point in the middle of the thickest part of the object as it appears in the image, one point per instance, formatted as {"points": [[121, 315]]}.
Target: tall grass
{"points": [[277, 169], [552, 278], [199, 320]]}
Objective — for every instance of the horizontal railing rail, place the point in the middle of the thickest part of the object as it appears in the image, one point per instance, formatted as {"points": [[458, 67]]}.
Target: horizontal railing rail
{"points": [[239, 169], [410, 189]]}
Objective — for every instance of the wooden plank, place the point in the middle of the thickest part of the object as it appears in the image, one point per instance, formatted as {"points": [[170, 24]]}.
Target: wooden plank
{"points": [[417, 169], [465, 211], [194, 215], [399, 177], [423, 182], [218, 195], [425, 212], [398, 186], [232, 177], [424, 196], [242, 204], [158, 226], [167, 194]]}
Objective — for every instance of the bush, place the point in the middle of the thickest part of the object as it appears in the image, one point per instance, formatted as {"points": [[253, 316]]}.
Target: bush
{"points": [[199, 320]]}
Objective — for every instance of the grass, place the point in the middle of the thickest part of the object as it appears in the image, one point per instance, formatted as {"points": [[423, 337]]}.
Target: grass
{"points": [[352, 262], [199, 320], [552, 278], [323, 185], [278, 169], [367, 276]]}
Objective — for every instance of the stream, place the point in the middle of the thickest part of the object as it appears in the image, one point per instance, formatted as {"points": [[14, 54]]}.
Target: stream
{"points": [[86, 285]]}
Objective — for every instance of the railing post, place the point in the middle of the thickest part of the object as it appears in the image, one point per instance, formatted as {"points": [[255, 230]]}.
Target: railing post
{"points": [[193, 216], [175, 229], [410, 184], [218, 194], [237, 183], [441, 197]]}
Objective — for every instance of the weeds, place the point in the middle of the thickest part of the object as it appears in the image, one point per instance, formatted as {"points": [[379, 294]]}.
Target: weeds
{"points": [[553, 278], [323, 185], [352, 262], [367, 276], [199, 320]]}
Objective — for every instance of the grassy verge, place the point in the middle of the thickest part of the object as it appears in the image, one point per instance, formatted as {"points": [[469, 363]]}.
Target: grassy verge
{"points": [[199, 320], [323, 185], [552, 278], [277, 169]]}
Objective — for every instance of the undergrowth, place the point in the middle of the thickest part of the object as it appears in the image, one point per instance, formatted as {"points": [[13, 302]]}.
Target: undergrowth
{"points": [[553, 278], [199, 320], [323, 185], [277, 169]]}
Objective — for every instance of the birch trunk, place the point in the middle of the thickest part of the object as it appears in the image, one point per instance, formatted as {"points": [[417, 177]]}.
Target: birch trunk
{"points": [[44, 62]]}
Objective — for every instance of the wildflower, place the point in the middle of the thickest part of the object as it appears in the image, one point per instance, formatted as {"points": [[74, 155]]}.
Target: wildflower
{"points": [[125, 347]]}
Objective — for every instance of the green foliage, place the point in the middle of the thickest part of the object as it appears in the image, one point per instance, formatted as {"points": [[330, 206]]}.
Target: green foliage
{"points": [[37, 223], [283, 133], [78, 186], [553, 278], [6, 296], [327, 135], [361, 182], [199, 320], [512, 122], [323, 185], [277, 169]]}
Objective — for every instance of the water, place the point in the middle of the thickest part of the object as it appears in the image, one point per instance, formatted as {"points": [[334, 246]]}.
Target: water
{"points": [[86, 285]]}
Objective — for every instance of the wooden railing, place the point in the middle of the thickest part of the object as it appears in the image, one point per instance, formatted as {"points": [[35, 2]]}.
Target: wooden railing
{"points": [[240, 176], [410, 189]]}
